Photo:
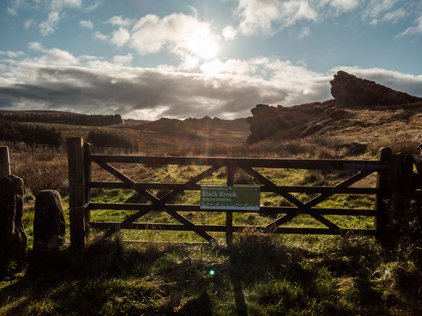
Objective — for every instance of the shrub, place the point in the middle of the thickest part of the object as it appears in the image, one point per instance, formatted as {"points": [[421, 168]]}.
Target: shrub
{"points": [[109, 139]]}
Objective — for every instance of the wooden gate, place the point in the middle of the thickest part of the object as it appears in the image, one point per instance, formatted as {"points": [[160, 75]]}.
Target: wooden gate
{"points": [[80, 160]]}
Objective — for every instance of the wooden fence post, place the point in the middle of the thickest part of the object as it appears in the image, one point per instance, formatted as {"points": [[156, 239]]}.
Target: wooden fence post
{"points": [[4, 162], [402, 174], [76, 165], [402, 189], [229, 214], [87, 173], [385, 156]]}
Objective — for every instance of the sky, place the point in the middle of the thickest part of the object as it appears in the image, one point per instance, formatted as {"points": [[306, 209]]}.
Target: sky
{"points": [[148, 59]]}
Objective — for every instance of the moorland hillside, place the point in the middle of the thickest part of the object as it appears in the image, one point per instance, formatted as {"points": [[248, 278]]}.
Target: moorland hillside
{"points": [[361, 111]]}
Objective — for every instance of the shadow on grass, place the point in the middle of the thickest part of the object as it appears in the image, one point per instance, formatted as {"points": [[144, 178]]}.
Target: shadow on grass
{"points": [[88, 282], [256, 276]]}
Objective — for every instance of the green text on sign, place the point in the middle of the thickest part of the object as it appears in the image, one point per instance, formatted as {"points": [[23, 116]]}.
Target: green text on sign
{"points": [[239, 197]]}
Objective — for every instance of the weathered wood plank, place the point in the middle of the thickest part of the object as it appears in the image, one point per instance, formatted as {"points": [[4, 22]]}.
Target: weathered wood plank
{"points": [[87, 174], [263, 210], [76, 163], [222, 228], [327, 164], [230, 171], [384, 185], [197, 187]]}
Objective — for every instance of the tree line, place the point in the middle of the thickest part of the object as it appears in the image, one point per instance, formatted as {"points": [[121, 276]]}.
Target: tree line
{"points": [[30, 135], [62, 118], [48, 136]]}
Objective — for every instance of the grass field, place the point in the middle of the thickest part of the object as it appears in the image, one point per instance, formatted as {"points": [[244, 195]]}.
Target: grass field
{"points": [[261, 275]]}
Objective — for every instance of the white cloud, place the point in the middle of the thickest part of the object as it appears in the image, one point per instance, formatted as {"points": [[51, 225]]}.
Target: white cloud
{"points": [[394, 16], [416, 29], [377, 11], [57, 5], [12, 54], [28, 23], [36, 46], [55, 8], [305, 32], [340, 6], [123, 59], [213, 67], [47, 27], [86, 24], [258, 16], [229, 33], [92, 7], [100, 36], [120, 21], [120, 37], [269, 16], [178, 33], [57, 57], [14, 6]]}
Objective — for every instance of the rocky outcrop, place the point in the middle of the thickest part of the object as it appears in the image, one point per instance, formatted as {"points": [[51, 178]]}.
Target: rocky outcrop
{"points": [[287, 122], [349, 90], [264, 122], [49, 221], [350, 93], [193, 124], [13, 239]]}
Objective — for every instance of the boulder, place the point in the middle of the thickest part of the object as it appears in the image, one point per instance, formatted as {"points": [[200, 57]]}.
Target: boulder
{"points": [[13, 239], [348, 90], [49, 221]]}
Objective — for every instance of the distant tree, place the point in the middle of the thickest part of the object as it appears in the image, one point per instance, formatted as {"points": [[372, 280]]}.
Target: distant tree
{"points": [[10, 132]]}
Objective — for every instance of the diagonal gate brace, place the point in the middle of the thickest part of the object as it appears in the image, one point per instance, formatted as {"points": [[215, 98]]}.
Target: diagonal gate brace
{"points": [[156, 201], [300, 206]]}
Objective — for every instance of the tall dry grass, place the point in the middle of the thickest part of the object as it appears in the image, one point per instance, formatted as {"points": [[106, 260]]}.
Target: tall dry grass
{"points": [[41, 173]]}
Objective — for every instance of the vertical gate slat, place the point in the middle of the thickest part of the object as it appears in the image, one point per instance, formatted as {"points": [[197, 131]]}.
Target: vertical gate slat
{"points": [[87, 173], [229, 214], [76, 165], [384, 192]]}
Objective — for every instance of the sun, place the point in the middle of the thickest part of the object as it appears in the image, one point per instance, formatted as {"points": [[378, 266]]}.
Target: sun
{"points": [[203, 45]]}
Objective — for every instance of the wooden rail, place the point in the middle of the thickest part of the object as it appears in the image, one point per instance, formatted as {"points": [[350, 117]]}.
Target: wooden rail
{"points": [[387, 167]]}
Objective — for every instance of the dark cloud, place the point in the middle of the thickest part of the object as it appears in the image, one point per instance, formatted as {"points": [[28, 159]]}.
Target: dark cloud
{"points": [[87, 90]]}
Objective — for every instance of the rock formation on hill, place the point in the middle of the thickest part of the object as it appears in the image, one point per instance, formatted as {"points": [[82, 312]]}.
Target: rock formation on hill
{"points": [[193, 124], [348, 90], [351, 95]]}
